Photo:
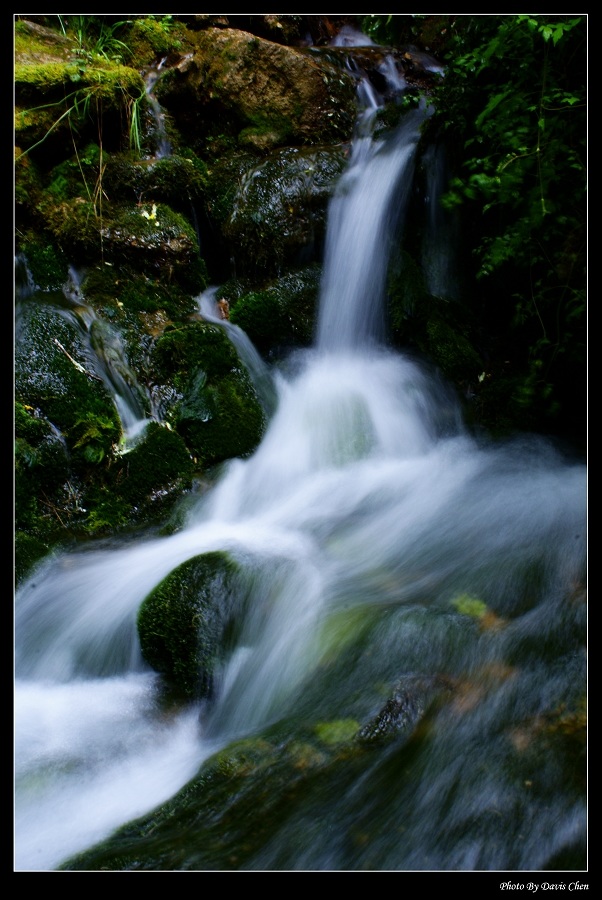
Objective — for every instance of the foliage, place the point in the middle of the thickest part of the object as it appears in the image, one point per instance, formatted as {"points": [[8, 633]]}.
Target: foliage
{"points": [[512, 109], [94, 435], [95, 37], [98, 87]]}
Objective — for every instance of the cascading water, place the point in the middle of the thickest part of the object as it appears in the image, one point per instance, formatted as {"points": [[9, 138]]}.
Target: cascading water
{"points": [[163, 146], [102, 348], [388, 549], [258, 370]]}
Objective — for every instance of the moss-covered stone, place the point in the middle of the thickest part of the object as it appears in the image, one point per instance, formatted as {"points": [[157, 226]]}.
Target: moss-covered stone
{"points": [[283, 314], [184, 622], [52, 374], [153, 37], [47, 265], [175, 180], [272, 213], [158, 465], [246, 795], [208, 395], [75, 96], [155, 237], [124, 297]]}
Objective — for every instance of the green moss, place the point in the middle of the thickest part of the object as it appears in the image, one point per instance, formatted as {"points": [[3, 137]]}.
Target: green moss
{"points": [[47, 264], [158, 462], [191, 347], [214, 406], [222, 420], [154, 36], [75, 225], [262, 316], [338, 732], [469, 606], [104, 80], [49, 377], [283, 314], [183, 623], [65, 101], [243, 757]]}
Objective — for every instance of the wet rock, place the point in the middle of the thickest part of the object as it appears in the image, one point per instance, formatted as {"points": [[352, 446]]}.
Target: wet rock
{"points": [[404, 710]]}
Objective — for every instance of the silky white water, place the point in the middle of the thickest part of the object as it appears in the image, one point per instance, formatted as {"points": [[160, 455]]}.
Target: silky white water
{"points": [[366, 494]]}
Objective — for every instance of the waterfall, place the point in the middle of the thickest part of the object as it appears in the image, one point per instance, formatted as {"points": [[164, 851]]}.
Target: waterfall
{"points": [[372, 520], [211, 311], [163, 145], [363, 217]]}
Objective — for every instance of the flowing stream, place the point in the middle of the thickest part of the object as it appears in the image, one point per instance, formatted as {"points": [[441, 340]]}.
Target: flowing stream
{"points": [[367, 509]]}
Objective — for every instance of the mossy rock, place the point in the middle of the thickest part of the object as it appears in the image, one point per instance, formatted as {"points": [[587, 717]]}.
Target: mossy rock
{"points": [[274, 214], [282, 315], [52, 375], [151, 38], [42, 266], [175, 180], [239, 806], [54, 98], [141, 486], [75, 226], [208, 396], [184, 623], [153, 236], [257, 93], [159, 465], [123, 296]]}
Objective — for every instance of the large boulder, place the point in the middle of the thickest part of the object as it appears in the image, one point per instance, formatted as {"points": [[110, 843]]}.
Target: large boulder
{"points": [[259, 94], [183, 623]]}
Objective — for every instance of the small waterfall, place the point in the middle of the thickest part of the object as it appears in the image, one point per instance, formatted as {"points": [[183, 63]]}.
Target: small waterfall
{"points": [[162, 143], [24, 280], [107, 359], [365, 214], [105, 356], [216, 311]]}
